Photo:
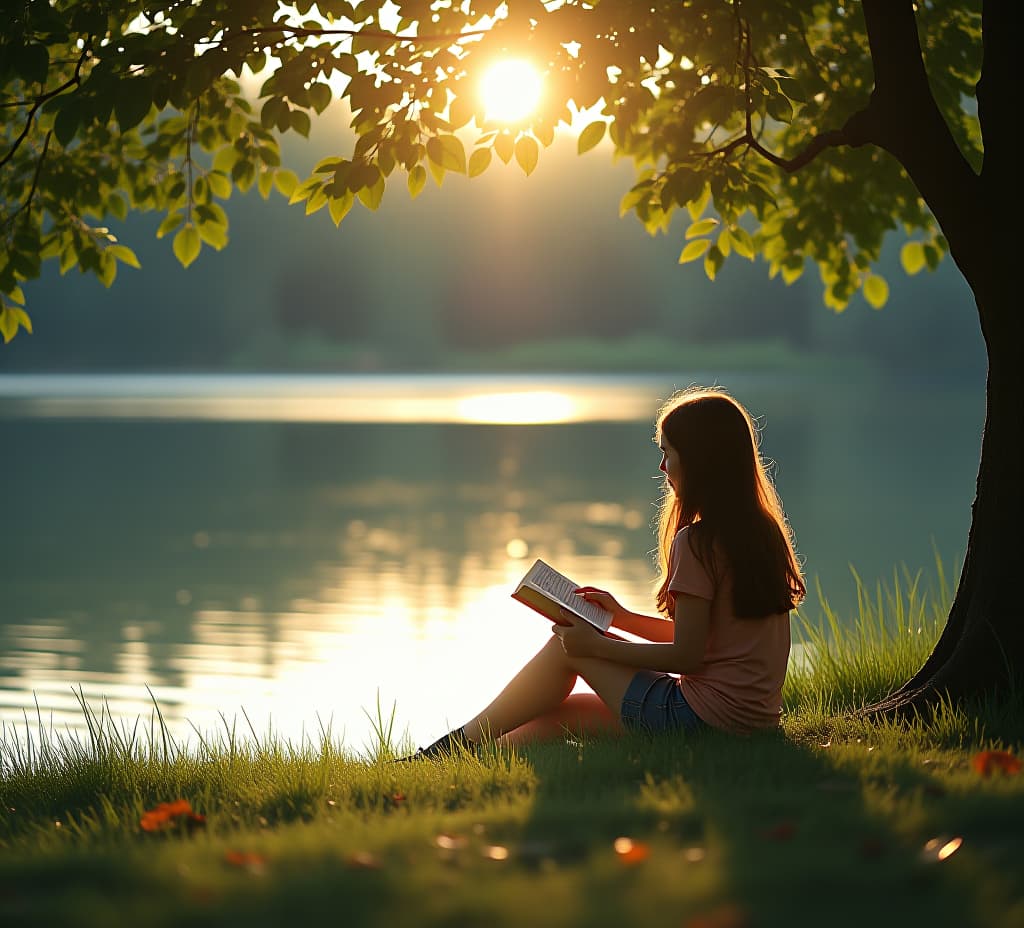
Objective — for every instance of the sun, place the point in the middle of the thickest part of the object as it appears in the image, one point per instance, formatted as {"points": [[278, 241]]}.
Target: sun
{"points": [[511, 90]]}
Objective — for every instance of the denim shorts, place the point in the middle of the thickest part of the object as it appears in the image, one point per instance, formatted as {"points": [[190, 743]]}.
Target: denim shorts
{"points": [[654, 702]]}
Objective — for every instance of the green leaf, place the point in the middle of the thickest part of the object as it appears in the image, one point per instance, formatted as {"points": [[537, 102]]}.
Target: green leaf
{"points": [[460, 111], [66, 124], [170, 223], [301, 122], [23, 318], [696, 205], [187, 244], [417, 180], [116, 206], [338, 207], [544, 133], [316, 201], [371, 196], [448, 152], [8, 324], [912, 257], [713, 262], [742, 243], [703, 227], [226, 158], [591, 136], [328, 165], [286, 181], [694, 250], [265, 183], [504, 145], [305, 190], [320, 96], [271, 112], [792, 274], [527, 153], [876, 290], [220, 184], [124, 254], [479, 161], [33, 63], [133, 102], [213, 234], [107, 270]]}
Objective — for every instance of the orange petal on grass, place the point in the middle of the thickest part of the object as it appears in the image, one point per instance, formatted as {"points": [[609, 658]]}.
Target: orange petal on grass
{"points": [[165, 814], [246, 860], [988, 762], [630, 851]]}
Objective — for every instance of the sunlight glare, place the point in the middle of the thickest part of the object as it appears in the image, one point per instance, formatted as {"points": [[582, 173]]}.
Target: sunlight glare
{"points": [[521, 408], [510, 90]]}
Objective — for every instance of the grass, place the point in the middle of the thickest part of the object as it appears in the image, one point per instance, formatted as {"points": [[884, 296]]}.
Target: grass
{"points": [[830, 820]]}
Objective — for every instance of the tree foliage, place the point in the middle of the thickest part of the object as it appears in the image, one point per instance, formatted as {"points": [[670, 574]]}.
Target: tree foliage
{"points": [[750, 116]]}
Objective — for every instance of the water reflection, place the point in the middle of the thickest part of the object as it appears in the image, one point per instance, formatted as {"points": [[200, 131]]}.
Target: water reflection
{"points": [[303, 398], [306, 570]]}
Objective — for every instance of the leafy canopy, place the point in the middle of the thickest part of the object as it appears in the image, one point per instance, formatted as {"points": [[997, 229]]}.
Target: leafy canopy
{"points": [[731, 107]]}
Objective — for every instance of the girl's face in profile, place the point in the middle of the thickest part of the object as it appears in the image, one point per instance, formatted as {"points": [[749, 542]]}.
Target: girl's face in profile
{"points": [[670, 465]]}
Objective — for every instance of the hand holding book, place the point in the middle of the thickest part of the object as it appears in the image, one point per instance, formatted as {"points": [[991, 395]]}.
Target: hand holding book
{"points": [[547, 591]]}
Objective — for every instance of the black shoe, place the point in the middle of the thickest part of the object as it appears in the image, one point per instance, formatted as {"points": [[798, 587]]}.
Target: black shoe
{"points": [[444, 747]]}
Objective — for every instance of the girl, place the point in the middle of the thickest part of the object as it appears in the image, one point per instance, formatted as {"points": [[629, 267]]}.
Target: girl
{"points": [[717, 654]]}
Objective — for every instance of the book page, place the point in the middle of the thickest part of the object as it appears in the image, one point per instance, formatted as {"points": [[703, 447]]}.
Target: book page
{"points": [[561, 589]]}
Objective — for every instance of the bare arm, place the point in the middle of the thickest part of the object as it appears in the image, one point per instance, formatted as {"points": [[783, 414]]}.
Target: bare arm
{"points": [[683, 654], [653, 628]]}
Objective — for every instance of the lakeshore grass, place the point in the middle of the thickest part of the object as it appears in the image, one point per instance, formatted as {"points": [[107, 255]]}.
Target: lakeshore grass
{"points": [[829, 820]]}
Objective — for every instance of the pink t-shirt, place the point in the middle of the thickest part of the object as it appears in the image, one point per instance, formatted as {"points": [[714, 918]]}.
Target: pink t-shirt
{"points": [[739, 685]]}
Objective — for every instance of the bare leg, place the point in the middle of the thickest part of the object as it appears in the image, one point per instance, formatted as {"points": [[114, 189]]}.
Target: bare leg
{"points": [[581, 712], [543, 685]]}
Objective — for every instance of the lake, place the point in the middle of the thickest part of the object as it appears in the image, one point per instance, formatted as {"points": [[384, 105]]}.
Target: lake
{"points": [[315, 550]]}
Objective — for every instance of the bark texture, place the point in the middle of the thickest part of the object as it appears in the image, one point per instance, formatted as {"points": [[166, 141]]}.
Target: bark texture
{"points": [[981, 650]]}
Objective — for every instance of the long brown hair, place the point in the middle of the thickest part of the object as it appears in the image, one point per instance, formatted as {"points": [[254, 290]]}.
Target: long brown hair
{"points": [[728, 498]]}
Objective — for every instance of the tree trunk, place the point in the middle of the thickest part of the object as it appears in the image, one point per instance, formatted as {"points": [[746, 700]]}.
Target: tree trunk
{"points": [[981, 650]]}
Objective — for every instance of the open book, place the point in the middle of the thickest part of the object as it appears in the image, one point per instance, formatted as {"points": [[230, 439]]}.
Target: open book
{"points": [[544, 589]]}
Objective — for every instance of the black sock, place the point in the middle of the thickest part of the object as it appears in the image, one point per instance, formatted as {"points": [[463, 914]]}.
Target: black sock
{"points": [[450, 743]]}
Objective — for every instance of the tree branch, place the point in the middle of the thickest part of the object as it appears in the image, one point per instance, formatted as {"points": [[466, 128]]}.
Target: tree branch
{"points": [[9, 221], [73, 81], [904, 119]]}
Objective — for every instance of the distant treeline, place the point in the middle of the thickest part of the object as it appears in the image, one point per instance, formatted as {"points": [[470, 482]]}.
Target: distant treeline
{"points": [[501, 264]]}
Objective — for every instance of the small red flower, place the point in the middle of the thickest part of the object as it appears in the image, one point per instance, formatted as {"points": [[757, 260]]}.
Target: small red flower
{"points": [[168, 813], [988, 762]]}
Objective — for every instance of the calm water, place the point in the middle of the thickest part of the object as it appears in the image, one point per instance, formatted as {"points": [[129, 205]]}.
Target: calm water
{"points": [[307, 549]]}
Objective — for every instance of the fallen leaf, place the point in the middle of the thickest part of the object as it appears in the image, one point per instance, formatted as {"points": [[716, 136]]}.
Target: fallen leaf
{"points": [[167, 814], [987, 762], [245, 860]]}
